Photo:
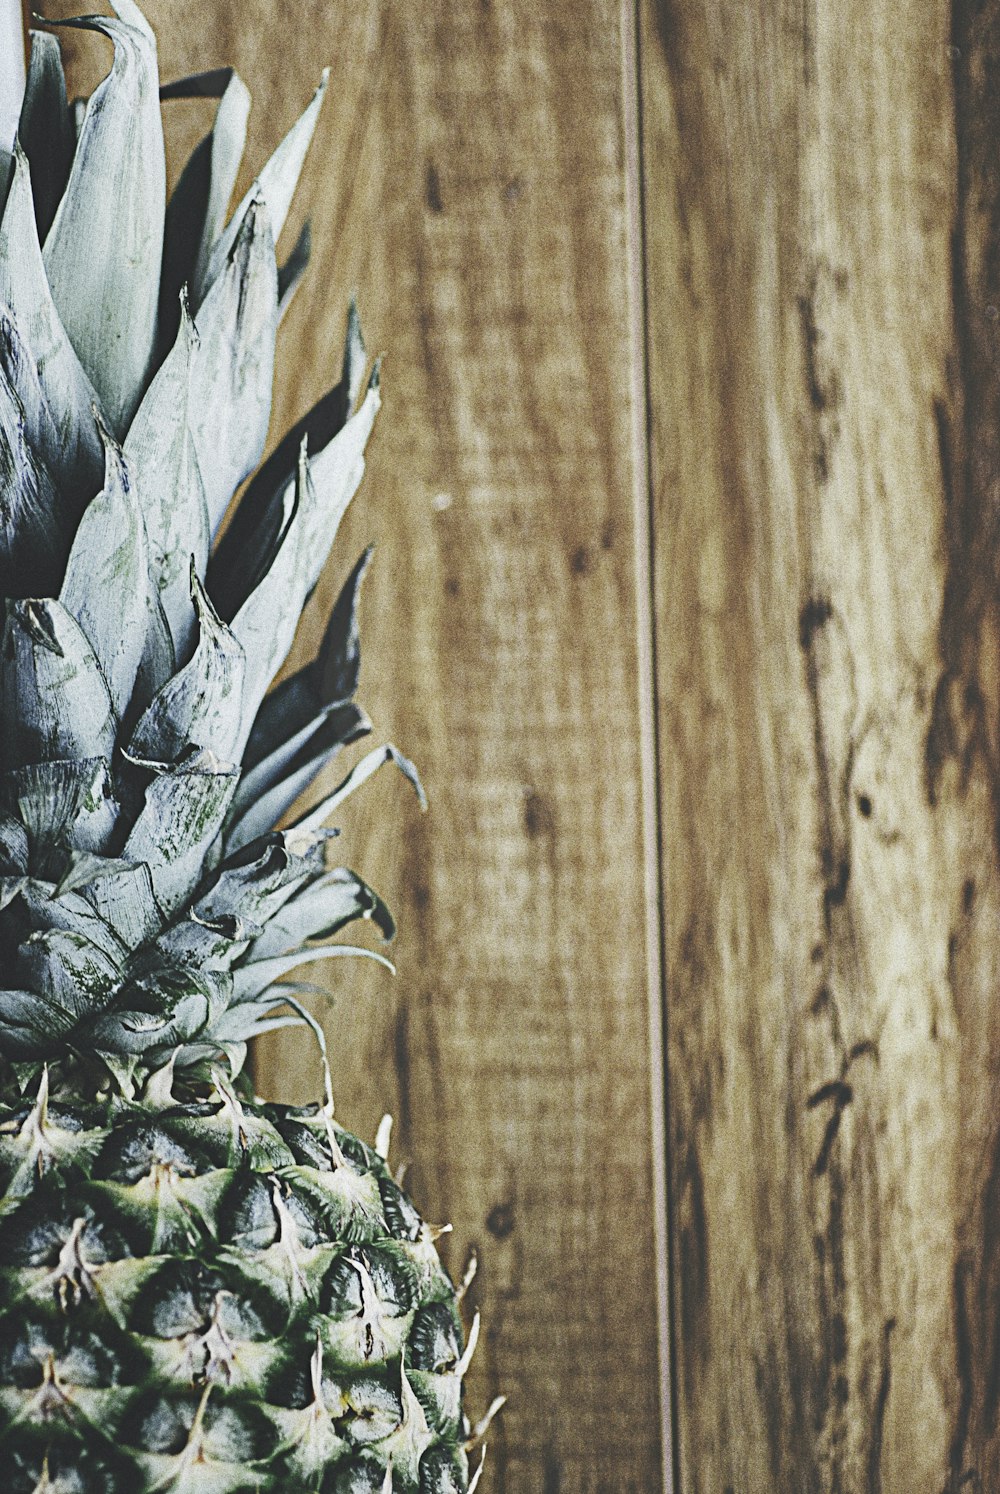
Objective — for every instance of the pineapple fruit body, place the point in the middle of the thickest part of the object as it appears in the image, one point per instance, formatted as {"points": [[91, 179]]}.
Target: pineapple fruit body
{"points": [[199, 1293], [218, 1297]]}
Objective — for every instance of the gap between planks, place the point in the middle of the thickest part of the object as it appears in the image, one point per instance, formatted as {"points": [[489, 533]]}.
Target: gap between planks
{"points": [[642, 500]]}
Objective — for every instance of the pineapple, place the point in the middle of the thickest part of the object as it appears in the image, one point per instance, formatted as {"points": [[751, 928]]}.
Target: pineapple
{"points": [[199, 1292]]}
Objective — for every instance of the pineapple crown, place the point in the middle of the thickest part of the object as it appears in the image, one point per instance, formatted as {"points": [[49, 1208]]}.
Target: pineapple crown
{"points": [[148, 909]]}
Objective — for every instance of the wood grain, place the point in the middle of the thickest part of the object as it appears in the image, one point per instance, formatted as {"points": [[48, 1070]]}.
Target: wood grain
{"points": [[821, 196], [468, 180]]}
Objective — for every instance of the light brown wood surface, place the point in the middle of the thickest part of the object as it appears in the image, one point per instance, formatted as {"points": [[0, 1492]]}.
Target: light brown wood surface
{"points": [[822, 282], [467, 180]]}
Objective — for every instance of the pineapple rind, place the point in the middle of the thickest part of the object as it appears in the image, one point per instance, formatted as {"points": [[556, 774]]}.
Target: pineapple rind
{"points": [[191, 1307]]}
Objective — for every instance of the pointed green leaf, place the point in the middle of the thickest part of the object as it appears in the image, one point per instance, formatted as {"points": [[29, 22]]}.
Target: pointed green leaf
{"points": [[24, 289], [234, 364], [180, 819], [337, 471], [70, 972], [253, 885], [250, 979], [107, 578], [196, 213], [158, 662], [104, 249], [46, 128], [292, 710], [319, 911], [65, 806], [75, 483], [120, 892], [275, 186], [238, 560], [202, 705], [73, 915], [292, 272], [54, 697], [268, 790], [34, 533], [160, 453], [358, 775], [266, 623]]}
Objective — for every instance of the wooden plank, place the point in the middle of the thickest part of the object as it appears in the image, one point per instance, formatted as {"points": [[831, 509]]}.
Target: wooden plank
{"points": [[821, 194], [468, 180]]}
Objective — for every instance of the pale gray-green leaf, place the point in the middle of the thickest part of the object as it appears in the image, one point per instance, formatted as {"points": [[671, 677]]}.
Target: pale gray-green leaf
{"points": [[24, 289], [183, 812], [68, 970], [34, 533], [120, 892], [202, 705], [319, 911], [160, 453], [269, 789], [65, 806], [107, 578], [234, 364], [336, 472], [46, 128], [253, 885], [54, 696], [251, 978], [358, 775], [266, 623], [275, 185], [104, 249], [291, 711]]}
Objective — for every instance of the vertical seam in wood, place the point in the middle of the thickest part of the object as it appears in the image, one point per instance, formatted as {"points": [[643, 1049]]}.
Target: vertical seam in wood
{"points": [[643, 528]]}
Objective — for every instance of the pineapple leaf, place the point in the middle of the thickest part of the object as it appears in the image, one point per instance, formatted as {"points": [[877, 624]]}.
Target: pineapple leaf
{"points": [[65, 806], [68, 971], [107, 578], [54, 696], [319, 911], [237, 560], [46, 128], [359, 774], [271, 787], [234, 364], [275, 186], [293, 709], [159, 450], [292, 272], [77, 459], [266, 623], [120, 892], [197, 210], [13, 846], [251, 978], [104, 249], [33, 541], [202, 704], [179, 821], [76, 482], [336, 472], [252, 885]]}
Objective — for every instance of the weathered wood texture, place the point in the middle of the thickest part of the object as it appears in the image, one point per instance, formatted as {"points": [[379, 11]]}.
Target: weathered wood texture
{"points": [[821, 210], [467, 179]]}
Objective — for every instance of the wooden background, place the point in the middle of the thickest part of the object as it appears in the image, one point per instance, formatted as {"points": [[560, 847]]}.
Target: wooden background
{"points": [[687, 502]]}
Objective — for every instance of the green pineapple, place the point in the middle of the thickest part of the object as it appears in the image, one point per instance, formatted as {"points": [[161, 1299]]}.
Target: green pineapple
{"points": [[199, 1292]]}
